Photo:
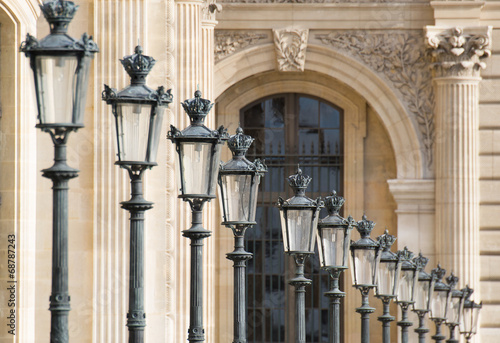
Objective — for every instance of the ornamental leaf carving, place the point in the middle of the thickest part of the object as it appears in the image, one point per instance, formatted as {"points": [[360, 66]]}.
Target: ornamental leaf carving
{"points": [[291, 45], [399, 57], [230, 42]]}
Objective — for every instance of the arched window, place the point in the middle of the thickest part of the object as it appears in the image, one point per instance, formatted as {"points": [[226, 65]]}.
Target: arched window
{"points": [[289, 129]]}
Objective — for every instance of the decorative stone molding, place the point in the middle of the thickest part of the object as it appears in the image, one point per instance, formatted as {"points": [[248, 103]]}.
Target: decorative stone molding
{"points": [[458, 51], [291, 45], [399, 57], [230, 42], [210, 8]]}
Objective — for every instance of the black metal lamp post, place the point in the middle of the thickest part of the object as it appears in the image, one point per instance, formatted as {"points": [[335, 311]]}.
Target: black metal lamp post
{"points": [[239, 184], [365, 254], [388, 278], [423, 290], [138, 112], [61, 66], [440, 300], [455, 308], [198, 148], [334, 234], [470, 316], [407, 280], [299, 221]]}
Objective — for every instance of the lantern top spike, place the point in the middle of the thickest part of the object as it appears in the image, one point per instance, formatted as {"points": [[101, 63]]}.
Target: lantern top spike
{"points": [[58, 14], [138, 66]]}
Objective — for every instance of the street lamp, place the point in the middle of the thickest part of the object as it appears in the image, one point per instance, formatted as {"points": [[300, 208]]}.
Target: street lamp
{"points": [[333, 237], [455, 308], [239, 181], [470, 317], [198, 149], [138, 112], [299, 221], [407, 280], [440, 300], [424, 288], [365, 254], [388, 278], [61, 66]]}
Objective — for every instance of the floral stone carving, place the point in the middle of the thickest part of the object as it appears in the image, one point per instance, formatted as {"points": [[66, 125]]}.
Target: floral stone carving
{"points": [[230, 42], [291, 45], [399, 57]]}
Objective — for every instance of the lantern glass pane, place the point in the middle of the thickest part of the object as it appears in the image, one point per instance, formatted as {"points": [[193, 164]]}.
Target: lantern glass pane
{"points": [[438, 304], [386, 278], [300, 227], [469, 320], [56, 87], [405, 289], [133, 123], [422, 295], [454, 310], [364, 266], [239, 197], [331, 243], [199, 167], [81, 90], [155, 135]]}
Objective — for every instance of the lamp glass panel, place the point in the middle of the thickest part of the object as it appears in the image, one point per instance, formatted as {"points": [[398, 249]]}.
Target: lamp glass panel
{"points": [[438, 304], [56, 87], [364, 266], [422, 295], [133, 122], [81, 90], [455, 310], [155, 135], [475, 319], [386, 278], [239, 205], [331, 246], [405, 289], [300, 225], [199, 167], [469, 320]]}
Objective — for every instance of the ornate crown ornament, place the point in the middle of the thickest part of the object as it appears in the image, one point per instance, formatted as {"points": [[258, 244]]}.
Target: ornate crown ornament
{"points": [[334, 203], [386, 240], [405, 254], [299, 181], [467, 292], [197, 108], [438, 273], [58, 13], [138, 65], [365, 227], [420, 261], [452, 280], [239, 143]]}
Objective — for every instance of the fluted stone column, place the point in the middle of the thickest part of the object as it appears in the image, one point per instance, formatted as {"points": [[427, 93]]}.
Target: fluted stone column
{"points": [[457, 60]]}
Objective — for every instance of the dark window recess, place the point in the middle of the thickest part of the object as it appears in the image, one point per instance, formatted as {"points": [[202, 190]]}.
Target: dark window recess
{"points": [[288, 129]]}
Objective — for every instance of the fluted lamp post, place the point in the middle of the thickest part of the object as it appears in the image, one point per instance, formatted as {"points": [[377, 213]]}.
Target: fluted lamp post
{"points": [[407, 280], [455, 308], [61, 66], [138, 112], [299, 220], [470, 316], [440, 300], [334, 234], [388, 278], [239, 181], [423, 291], [365, 254], [198, 149]]}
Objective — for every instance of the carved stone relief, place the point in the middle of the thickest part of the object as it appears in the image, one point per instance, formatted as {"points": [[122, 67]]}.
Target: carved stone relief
{"points": [[400, 57], [230, 42], [458, 53], [291, 45]]}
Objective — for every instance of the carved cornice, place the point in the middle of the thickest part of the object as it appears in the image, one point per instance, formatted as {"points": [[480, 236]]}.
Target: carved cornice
{"points": [[291, 45], [399, 57], [230, 42], [458, 52]]}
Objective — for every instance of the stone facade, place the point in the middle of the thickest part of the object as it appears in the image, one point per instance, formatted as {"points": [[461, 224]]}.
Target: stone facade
{"points": [[418, 83]]}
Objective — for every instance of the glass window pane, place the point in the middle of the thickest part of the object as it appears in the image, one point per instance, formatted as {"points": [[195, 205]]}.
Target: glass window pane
{"points": [[308, 112], [329, 116], [275, 109], [309, 141], [254, 116]]}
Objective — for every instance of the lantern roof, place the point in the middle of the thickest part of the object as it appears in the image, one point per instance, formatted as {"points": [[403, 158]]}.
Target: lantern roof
{"points": [[386, 241], [299, 182], [239, 144], [364, 228], [138, 66], [439, 273], [333, 204], [406, 256]]}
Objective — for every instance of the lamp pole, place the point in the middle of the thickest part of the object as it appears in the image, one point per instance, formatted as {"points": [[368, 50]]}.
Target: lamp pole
{"points": [[455, 307], [470, 315], [423, 289], [60, 67], [439, 303], [408, 279]]}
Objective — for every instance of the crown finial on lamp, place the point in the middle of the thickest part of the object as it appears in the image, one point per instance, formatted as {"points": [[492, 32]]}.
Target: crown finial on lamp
{"points": [[138, 66], [386, 240], [333, 203], [239, 143], [365, 227], [197, 108], [59, 14], [439, 272], [420, 261], [299, 181], [452, 280]]}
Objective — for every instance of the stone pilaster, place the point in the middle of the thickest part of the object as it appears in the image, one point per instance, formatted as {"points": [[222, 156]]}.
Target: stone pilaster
{"points": [[457, 60]]}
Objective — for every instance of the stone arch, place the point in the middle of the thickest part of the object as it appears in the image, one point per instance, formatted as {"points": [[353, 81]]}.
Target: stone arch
{"points": [[403, 135]]}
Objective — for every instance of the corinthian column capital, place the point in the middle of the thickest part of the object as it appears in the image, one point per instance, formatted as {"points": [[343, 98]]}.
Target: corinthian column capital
{"points": [[458, 52]]}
